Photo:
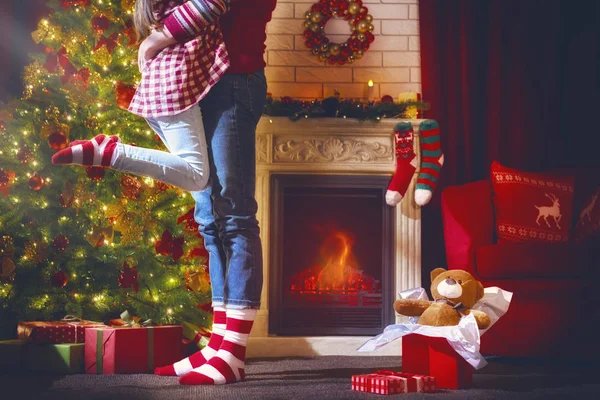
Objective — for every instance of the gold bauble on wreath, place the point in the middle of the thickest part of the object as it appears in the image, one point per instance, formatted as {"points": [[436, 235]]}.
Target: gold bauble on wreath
{"points": [[360, 23]]}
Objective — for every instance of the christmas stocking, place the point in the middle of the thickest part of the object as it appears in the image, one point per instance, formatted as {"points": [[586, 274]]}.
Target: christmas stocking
{"points": [[229, 364], [432, 160], [406, 164], [201, 357]]}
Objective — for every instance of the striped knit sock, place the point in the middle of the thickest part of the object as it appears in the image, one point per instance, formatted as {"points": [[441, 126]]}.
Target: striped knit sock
{"points": [[431, 161], [201, 357], [99, 152], [229, 363], [406, 164]]}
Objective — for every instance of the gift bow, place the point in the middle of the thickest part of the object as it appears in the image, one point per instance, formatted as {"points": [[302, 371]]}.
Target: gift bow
{"points": [[134, 322], [110, 42], [168, 245]]}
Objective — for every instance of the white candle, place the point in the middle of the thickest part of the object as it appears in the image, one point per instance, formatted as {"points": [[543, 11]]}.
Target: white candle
{"points": [[371, 95]]}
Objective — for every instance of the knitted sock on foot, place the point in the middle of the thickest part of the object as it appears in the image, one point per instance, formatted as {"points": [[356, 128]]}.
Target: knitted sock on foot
{"points": [[201, 357], [98, 152], [406, 163], [229, 364], [432, 160]]}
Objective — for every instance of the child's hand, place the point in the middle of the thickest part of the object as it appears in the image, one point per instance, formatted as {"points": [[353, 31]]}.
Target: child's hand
{"points": [[154, 44]]}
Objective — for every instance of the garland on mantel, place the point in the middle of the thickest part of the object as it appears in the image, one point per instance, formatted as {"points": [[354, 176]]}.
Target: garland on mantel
{"points": [[335, 107]]}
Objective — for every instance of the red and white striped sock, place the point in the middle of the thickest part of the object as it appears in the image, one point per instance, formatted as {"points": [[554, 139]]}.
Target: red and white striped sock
{"points": [[229, 364], [200, 357], [99, 152]]}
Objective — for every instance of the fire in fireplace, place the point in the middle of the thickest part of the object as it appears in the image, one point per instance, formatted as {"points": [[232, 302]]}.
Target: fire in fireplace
{"points": [[331, 255], [335, 277]]}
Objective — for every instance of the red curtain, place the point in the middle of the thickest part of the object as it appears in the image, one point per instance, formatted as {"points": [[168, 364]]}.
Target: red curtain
{"points": [[508, 80]]}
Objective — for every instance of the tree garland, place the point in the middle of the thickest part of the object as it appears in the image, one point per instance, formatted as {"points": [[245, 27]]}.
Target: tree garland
{"points": [[335, 107], [338, 53]]}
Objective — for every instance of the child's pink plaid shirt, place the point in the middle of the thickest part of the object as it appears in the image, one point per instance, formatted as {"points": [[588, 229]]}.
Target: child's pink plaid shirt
{"points": [[182, 74]]}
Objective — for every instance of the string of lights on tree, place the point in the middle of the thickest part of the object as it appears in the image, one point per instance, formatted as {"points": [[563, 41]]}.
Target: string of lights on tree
{"points": [[90, 242]]}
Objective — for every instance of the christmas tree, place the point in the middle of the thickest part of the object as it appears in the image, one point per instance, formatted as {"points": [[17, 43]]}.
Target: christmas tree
{"points": [[90, 242]]}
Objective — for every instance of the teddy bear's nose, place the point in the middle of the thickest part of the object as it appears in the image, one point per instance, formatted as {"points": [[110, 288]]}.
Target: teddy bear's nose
{"points": [[450, 281]]}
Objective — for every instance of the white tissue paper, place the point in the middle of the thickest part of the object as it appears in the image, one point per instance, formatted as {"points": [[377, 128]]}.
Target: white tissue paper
{"points": [[464, 338]]}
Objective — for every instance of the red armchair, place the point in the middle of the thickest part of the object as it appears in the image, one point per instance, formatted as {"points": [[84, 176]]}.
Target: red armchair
{"points": [[551, 283]]}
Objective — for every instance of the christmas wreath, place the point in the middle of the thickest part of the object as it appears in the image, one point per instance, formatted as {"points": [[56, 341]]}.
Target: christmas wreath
{"points": [[338, 53]]}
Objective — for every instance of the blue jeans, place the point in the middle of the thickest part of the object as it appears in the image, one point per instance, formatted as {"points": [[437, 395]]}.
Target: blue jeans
{"points": [[184, 165], [226, 210]]}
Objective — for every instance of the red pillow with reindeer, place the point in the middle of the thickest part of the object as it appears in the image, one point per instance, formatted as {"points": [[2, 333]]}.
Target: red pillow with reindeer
{"points": [[532, 206]]}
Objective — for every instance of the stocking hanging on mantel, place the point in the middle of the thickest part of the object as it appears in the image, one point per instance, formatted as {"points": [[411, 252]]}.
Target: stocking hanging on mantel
{"points": [[432, 160], [353, 48]]}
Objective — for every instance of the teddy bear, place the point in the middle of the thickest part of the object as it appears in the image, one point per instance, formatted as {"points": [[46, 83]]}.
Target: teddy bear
{"points": [[454, 293]]}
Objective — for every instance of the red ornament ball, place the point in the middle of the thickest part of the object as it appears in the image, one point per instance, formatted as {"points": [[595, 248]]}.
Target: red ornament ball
{"points": [[95, 173], [59, 279], [36, 183], [129, 278], [58, 140], [387, 99], [4, 178], [24, 154], [60, 242], [100, 23]]}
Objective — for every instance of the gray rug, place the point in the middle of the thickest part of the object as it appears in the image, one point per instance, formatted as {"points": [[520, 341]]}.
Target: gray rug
{"points": [[316, 378]]}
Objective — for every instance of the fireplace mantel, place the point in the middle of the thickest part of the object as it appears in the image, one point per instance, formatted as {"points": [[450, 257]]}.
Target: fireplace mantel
{"points": [[331, 146]]}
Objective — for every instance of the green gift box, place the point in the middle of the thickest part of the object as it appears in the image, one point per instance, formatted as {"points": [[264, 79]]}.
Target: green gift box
{"points": [[13, 355], [64, 358], [18, 356]]}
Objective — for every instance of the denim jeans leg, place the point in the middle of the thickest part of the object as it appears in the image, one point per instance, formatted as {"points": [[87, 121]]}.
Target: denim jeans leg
{"points": [[231, 111]]}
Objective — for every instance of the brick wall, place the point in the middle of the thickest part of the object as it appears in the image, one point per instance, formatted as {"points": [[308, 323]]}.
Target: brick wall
{"points": [[393, 61]]}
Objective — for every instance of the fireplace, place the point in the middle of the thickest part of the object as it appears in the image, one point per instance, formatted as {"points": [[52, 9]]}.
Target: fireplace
{"points": [[331, 255], [301, 166]]}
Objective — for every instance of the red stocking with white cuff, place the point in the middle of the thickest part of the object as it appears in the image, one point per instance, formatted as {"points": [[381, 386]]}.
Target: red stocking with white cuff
{"points": [[406, 163]]}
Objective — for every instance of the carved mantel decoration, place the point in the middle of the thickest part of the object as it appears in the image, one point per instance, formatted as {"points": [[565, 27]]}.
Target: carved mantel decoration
{"points": [[331, 146]]}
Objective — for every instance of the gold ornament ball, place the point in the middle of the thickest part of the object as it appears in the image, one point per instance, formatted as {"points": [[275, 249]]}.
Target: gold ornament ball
{"points": [[371, 28], [334, 49], [324, 47], [316, 17], [307, 15], [307, 24], [362, 37], [363, 10], [362, 26], [369, 18], [353, 8], [351, 59], [314, 51], [314, 27], [358, 54], [102, 57]]}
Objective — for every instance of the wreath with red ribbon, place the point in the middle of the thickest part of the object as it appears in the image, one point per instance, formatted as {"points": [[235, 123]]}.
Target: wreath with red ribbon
{"points": [[338, 53]]}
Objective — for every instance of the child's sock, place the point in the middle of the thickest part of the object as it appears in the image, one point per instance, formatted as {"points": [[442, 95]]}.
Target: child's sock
{"points": [[406, 163], [432, 160], [201, 357], [99, 152], [228, 365]]}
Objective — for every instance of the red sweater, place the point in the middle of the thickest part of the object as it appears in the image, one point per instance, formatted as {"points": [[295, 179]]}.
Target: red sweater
{"points": [[243, 23]]}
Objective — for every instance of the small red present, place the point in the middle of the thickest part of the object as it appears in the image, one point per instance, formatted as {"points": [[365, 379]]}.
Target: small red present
{"points": [[435, 357], [68, 330], [124, 350], [390, 382]]}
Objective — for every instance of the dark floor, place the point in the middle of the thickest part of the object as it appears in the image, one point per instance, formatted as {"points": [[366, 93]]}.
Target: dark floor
{"points": [[317, 378]]}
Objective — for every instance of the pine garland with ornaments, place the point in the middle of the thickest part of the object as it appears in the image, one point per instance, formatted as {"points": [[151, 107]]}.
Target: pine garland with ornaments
{"points": [[90, 242], [338, 107]]}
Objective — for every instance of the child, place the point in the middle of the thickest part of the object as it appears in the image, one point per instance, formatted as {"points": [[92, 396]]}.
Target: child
{"points": [[167, 97]]}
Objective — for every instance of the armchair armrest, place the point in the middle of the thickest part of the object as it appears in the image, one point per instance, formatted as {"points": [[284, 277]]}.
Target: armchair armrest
{"points": [[468, 217]]}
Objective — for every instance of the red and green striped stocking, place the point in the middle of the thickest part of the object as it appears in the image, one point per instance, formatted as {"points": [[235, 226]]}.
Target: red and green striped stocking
{"points": [[432, 160]]}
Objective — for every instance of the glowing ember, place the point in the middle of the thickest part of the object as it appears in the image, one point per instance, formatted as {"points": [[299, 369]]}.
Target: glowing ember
{"points": [[336, 273]]}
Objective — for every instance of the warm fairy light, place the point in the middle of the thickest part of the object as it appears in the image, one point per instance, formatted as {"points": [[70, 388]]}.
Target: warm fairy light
{"points": [[45, 21], [169, 311], [24, 133], [69, 118], [181, 306], [152, 240], [76, 295], [15, 143], [105, 68], [148, 132], [155, 298], [172, 280], [104, 208], [270, 121], [74, 275], [35, 163], [63, 218], [47, 180], [15, 200], [151, 275]]}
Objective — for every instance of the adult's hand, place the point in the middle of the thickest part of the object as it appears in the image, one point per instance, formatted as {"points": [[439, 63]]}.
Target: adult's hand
{"points": [[154, 44]]}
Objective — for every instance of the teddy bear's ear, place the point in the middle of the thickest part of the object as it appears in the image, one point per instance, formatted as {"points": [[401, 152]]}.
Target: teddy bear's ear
{"points": [[479, 291], [436, 272]]}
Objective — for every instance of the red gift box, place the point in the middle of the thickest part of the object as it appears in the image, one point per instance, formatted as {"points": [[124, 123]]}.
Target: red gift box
{"points": [[55, 332], [435, 357], [123, 350], [390, 382]]}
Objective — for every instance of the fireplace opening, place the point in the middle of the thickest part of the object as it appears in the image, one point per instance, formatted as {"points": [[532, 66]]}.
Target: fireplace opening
{"points": [[331, 255]]}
